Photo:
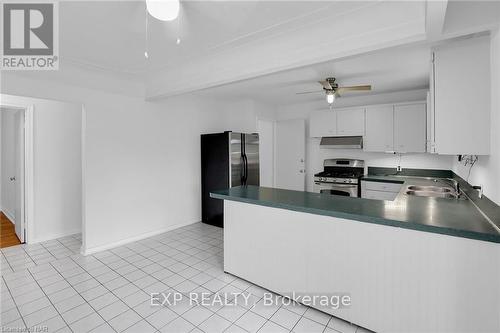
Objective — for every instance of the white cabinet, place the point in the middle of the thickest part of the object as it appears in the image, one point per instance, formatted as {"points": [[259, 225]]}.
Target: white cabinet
{"points": [[430, 141], [350, 122], [379, 195], [386, 128], [410, 128], [379, 128], [379, 190], [396, 128], [323, 124], [338, 122], [461, 97]]}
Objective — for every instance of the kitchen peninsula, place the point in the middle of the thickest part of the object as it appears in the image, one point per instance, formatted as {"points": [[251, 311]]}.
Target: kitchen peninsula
{"points": [[413, 264]]}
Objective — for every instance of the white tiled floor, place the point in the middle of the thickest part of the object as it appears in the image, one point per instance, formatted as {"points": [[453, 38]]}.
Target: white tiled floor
{"points": [[51, 285]]}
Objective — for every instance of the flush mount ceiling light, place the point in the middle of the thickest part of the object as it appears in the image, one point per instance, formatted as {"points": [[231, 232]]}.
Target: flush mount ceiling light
{"points": [[163, 10]]}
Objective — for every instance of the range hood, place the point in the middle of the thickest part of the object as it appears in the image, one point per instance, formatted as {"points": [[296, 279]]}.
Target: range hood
{"points": [[342, 142]]}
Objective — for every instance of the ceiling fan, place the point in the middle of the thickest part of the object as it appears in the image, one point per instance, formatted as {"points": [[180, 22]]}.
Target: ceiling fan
{"points": [[332, 89]]}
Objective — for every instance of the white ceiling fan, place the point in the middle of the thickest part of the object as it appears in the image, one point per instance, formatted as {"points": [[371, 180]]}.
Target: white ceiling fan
{"points": [[332, 89]]}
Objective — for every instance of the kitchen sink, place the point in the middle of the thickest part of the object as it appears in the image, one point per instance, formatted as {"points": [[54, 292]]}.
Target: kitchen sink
{"points": [[438, 189], [434, 194], [433, 191]]}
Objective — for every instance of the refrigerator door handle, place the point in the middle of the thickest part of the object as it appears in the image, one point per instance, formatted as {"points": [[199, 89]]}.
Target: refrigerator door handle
{"points": [[242, 173], [245, 168]]}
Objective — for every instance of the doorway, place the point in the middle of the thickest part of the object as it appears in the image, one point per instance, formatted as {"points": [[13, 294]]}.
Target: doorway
{"points": [[12, 171]]}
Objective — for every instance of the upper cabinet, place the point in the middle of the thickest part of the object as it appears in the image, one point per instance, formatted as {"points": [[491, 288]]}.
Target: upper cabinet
{"points": [[323, 123], [351, 122], [410, 128], [385, 128], [396, 128], [379, 128], [339, 122], [459, 113]]}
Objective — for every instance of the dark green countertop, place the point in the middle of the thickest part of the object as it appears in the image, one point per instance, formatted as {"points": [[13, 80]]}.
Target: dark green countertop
{"points": [[458, 218]]}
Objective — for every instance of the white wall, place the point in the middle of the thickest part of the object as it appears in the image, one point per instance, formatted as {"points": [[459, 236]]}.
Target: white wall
{"points": [[57, 167], [486, 172], [266, 152], [8, 162], [142, 168], [315, 155], [1, 168]]}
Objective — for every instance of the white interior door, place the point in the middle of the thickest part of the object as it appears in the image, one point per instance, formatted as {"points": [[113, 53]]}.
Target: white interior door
{"points": [[19, 175], [290, 151]]}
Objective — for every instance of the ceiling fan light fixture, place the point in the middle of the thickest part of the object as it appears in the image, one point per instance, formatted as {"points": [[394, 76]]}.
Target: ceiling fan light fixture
{"points": [[330, 97], [163, 10]]}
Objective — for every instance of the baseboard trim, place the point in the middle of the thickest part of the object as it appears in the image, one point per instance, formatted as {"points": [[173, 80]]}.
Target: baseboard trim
{"points": [[100, 248], [51, 237]]}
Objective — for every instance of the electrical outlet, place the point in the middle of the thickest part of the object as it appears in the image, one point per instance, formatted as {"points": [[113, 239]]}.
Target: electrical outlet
{"points": [[399, 168]]}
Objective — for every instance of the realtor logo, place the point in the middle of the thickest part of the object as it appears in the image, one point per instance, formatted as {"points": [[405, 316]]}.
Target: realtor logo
{"points": [[29, 36]]}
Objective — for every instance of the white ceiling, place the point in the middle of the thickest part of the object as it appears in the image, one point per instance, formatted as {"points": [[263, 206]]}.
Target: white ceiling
{"points": [[395, 69], [111, 35]]}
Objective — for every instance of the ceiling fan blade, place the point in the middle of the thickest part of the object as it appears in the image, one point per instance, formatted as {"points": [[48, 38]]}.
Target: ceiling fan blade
{"points": [[309, 92], [354, 88], [326, 85]]}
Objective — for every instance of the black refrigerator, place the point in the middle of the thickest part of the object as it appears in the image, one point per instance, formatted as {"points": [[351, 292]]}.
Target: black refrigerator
{"points": [[227, 159]]}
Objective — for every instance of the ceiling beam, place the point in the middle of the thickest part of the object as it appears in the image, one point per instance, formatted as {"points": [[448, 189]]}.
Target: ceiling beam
{"points": [[435, 12], [379, 25]]}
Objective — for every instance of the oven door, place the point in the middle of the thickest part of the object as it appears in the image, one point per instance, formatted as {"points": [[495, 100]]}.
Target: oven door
{"points": [[346, 190]]}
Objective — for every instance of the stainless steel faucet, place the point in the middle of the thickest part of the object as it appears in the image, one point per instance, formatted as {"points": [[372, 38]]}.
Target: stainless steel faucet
{"points": [[454, 182]]}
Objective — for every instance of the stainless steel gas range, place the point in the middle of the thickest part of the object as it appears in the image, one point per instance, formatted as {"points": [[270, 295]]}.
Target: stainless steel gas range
{"points": [[340, 177]]}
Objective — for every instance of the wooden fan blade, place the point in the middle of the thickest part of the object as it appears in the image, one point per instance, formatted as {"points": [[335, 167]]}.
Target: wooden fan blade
{"points": [[326, 85], [309, 92], [354, 88]]}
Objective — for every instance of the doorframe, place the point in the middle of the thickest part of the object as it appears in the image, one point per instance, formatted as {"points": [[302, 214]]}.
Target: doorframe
{"points": [[28, 188], [83, 247], [273, 122]]}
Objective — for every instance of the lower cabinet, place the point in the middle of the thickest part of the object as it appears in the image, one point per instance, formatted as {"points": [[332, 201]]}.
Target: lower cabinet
{"points": [[379, 191]]}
